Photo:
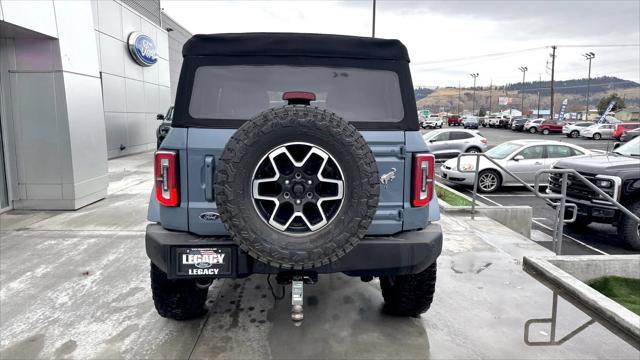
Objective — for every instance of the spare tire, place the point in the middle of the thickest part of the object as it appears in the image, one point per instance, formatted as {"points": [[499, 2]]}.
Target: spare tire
{"points": [[297, 187]]}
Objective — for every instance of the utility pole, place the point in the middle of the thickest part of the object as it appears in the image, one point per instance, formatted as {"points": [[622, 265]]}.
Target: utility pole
{"points": [[539, 84], [553, 68], [524, 71], [474, 76], [490, 95], [459, 98], [373, 27], [589, 56]]}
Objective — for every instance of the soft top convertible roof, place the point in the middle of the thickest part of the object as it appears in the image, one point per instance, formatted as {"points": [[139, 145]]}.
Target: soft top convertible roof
{"points": [[295, 44]]}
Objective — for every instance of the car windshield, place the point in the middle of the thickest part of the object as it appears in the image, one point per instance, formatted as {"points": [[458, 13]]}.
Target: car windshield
{"points": [[632, 148], [239, 92], [503, 150]]}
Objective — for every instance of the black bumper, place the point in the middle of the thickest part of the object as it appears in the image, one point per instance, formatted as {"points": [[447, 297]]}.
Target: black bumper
{"points": [[404, 253], [600, 213]]}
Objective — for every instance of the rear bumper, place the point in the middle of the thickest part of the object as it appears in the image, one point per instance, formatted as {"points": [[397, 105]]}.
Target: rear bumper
{"points": [[404, 253]]}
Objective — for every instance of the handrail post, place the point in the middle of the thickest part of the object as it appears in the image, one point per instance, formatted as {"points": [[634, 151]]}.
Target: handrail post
{"points": [[561, 211], [475, 188]]}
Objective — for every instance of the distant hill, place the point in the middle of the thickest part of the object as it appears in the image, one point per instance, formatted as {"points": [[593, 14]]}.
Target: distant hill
{"points": [[575, 86], [422, 92], [446, 99]]}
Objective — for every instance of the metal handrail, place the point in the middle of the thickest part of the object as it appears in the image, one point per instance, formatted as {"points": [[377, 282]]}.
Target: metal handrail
{"points": [[559, 206]]}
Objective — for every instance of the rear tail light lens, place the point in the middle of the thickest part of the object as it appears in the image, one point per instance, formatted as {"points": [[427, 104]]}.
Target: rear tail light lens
{"points": [[423, 176], [483, 140], [166, 175]]}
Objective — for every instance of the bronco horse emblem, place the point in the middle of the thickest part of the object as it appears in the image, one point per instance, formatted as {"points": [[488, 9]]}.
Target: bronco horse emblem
{"points": [[388, 177]]}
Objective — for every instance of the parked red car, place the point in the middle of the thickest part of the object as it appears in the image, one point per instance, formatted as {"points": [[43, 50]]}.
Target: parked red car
{"points": [[624, 127], [548, 127], [454, 120]]}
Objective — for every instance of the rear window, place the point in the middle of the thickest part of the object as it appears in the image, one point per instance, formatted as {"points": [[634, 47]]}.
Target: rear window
{"points": [[240, 92]]}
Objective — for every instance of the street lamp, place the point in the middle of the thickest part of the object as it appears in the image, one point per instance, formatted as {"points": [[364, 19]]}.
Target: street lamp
{"points": [[589, 56], [474, 76], [524, 71]]}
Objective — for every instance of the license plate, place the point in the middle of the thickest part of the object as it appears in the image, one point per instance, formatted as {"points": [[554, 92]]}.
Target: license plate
{"points": [[203, 261]]}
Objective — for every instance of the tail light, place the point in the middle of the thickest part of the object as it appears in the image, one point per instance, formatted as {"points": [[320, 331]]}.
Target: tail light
{"points": [[423, 172], [166, 175], [484, 141]]}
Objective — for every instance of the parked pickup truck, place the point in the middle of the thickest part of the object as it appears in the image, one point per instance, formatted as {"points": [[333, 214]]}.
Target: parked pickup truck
{"points": [[293, 155], [548, 127], [454, 120], [618, 174]]}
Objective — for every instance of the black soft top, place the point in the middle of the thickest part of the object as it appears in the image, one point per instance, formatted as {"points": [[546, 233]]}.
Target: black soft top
{"points": [[295, 44]]}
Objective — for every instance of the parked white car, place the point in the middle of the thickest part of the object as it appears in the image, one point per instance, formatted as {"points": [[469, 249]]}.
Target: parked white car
{"points": [[522, 157], [573, 130], [433, 121], [447, 143], [533, 125], [598, 131]]}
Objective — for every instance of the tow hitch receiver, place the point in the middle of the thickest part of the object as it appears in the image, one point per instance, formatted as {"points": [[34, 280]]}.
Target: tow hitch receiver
{"points": [[297, 296]]}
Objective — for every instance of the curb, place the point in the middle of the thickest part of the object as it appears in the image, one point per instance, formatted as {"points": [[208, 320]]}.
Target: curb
{"points": [[516, 218]]}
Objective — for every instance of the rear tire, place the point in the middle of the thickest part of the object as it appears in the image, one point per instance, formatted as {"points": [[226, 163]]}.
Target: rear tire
{"points": [[597, 136], [474, 150], [533, 130], [545, 132], [177, 299], [628, 229], [409, 295]]}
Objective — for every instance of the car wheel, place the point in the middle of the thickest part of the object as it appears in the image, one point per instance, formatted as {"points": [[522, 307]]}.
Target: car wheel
{"points": [[179, 299], [533, 130], [313, 189], [597, 136], [409, 295], [473, 150], [628, 229], [545, 132], [488, 181], [574, 134]]}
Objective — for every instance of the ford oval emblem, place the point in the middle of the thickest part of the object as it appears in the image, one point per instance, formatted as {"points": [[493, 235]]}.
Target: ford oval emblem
{"points": [[142, 49], [209, 216]]}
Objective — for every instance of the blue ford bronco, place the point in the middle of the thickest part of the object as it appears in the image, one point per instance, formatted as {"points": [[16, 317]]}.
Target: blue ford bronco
{"points": [[293, 155]]}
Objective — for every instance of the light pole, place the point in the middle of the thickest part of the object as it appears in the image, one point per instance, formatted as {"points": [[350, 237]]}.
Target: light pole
{"points": [[524, 71], [474, 76], [373, 26], [589, 56]]}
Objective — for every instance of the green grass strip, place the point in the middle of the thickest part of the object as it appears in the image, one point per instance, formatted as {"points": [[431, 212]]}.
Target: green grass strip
{"points": [[624, 291], [451, 198]]}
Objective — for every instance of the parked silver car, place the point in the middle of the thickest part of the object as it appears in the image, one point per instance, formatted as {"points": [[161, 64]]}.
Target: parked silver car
{"points": [[522, 157], [598, 131], [533, 125], [449, 143]]}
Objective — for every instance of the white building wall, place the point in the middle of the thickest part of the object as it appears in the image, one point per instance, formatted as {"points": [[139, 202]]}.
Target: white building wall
{"points": [[132, 94], [52, 106]]}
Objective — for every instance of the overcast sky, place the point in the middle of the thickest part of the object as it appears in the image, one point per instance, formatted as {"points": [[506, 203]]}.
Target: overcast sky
{"points": [[447, 39]]}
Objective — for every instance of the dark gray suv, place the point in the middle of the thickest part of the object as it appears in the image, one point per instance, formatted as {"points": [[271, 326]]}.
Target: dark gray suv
{"points": [[293, 155]]}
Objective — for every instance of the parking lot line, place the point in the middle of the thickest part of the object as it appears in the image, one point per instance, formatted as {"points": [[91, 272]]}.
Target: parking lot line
{"points": [[572, 238]]}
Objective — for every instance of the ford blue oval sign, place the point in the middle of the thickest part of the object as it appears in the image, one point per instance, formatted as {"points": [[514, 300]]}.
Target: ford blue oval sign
{"points": [[142, 49]]}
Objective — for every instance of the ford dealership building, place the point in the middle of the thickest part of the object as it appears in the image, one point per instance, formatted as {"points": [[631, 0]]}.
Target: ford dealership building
{"points": [[80, 82]]}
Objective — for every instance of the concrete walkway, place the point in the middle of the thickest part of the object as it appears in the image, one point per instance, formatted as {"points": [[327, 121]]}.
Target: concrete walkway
{"points": [[76, 285]]}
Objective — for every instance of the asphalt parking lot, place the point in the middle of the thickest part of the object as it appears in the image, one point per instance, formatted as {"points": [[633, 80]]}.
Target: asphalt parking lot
{"points": [[595, 239]]}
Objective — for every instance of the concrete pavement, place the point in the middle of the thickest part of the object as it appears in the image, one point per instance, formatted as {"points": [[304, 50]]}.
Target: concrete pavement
{"points": [[76, 285]]}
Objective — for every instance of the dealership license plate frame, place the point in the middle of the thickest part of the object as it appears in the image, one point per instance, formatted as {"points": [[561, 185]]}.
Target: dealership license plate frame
{"points": [[182, 270]]}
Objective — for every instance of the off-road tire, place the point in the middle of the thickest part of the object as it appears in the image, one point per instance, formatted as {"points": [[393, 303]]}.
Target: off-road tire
{"points": [[276, 127], [409, 295], [628, 229], [179, 299]]}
